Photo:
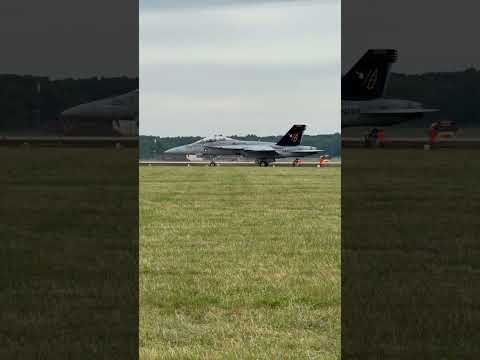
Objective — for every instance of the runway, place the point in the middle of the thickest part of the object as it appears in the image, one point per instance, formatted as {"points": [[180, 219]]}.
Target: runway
{"points": [[68, 141], [418, 142], [233, 163]]}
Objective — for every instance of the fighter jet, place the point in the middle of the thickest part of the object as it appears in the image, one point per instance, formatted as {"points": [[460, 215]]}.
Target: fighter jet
{"points": [[115, 115], [264, 153], [363, 88]]}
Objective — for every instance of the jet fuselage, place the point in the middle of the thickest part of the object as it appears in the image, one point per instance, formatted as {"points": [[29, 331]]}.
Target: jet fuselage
{"points": [[209, 149], [380, 112], [117, 114]]}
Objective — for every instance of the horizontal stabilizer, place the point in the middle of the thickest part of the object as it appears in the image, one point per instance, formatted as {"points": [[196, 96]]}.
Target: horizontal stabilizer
{"points": [[241, 147], [398, 111], [301, 153]]}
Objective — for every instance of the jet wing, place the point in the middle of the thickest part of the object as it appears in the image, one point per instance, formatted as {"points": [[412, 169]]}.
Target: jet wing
{"points": [[242, 147], [397, 111], [260, 154], [258, 151], [307, 152], [268, 152], [227, 149]]}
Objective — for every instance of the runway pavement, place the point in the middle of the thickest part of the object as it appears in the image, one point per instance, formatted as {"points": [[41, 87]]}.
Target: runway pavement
{"points": [[232, 163], [68, 141], [416, 142]]}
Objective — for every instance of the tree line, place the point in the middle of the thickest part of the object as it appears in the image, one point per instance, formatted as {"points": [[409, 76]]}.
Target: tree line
{"points": [[455, 94], [35, 102], [28, 102]]}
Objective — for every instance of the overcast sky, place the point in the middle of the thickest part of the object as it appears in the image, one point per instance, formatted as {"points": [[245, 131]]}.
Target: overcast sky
{"points": [[239, 66]]}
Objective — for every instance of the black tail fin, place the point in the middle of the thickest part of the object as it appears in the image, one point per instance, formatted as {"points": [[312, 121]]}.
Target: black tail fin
{"points": [[293, 137], [368, 77]]}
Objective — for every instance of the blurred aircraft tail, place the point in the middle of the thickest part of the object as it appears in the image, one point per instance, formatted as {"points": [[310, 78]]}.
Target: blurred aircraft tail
{"points": [[368, 77], [293, 137]]}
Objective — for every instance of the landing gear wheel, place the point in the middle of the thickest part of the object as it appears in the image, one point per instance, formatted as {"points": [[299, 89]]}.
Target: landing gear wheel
{"points": [[263, 163], [212, 163]]}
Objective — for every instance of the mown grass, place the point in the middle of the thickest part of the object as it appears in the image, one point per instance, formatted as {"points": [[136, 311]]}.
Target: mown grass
{"points": [[410, 254], [239, 263], [68, 258]]}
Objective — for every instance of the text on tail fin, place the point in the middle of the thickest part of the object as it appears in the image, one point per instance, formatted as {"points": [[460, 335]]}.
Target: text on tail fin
{"points": [[368, 77], [293, 137]]}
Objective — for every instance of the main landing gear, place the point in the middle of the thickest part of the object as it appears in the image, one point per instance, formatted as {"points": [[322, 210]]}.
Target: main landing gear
{"points": [[212, 163], [374, 138], [297, 162], [262, 163]]}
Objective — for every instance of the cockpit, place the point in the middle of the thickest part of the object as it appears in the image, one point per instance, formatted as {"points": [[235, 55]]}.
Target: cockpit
{"points": [[212, 139]]}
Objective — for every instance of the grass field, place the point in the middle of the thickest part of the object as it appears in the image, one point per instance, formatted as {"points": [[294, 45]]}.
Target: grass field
{"points": [[410, 254], [239, 263], [68, 258]]}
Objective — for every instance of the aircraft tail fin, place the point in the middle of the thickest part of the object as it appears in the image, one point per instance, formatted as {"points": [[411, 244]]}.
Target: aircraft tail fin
{"points": [[293, 137], [368, 77]]}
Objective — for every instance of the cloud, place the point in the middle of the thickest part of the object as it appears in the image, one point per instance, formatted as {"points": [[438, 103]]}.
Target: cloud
{"points": [[244, 68], [197, 4], [239, 79], [241, 115], [268, 35]]}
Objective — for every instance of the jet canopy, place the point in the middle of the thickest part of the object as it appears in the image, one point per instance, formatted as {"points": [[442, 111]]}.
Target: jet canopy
{"points": [[212, 139]]}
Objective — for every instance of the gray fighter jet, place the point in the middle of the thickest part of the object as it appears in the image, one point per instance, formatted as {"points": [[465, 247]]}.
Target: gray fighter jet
{"points": [[363, 88], [264, 153], [115, 115]]}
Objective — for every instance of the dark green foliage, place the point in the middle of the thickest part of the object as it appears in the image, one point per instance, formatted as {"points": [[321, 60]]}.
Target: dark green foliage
{"points": [[456, 94]]}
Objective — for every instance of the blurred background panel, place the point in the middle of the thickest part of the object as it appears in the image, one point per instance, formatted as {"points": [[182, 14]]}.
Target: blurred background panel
{"points": [[69, 201], [409, 252]]}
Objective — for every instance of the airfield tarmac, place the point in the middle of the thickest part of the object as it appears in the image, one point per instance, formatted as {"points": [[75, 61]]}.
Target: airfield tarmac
{"points": [[234, 163], [239, 263], [416, 143], [402, 137], [68, 141]]}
